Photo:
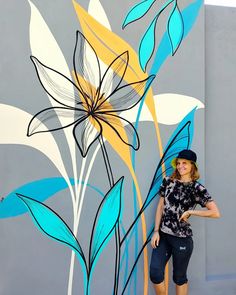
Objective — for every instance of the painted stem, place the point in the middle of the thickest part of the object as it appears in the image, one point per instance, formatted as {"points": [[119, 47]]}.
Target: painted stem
{"points": [[117, 232], [75, 209], [79, 199], [77, 218], [107, 162], [71, 273]]}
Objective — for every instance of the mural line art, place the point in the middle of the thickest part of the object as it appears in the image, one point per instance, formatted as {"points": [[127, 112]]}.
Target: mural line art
{"points": [[99, 102], [96, 110], [175, 28], [95, 107]]}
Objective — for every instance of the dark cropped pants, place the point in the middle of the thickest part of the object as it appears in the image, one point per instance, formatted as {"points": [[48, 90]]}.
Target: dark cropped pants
{"points": [[180, 249]]}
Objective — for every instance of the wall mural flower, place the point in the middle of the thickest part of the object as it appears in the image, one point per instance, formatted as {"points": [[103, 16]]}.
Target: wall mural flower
{"points": [[94, 105], [95, 98]]}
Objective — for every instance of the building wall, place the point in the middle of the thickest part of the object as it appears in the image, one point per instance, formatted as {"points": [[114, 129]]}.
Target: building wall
{"points": [[37, 167], [220, 146]]}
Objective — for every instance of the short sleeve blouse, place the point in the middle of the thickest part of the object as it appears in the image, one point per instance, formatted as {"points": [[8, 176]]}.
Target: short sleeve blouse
{"points": [[178, 198]]}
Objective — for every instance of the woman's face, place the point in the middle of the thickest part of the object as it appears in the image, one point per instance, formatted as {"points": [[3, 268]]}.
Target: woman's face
{"points": [[184, 167]]}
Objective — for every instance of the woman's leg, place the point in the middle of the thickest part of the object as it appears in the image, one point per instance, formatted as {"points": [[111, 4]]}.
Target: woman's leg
{"points": [[160, 256], [182, 290], [182, 249], [160, 289]]}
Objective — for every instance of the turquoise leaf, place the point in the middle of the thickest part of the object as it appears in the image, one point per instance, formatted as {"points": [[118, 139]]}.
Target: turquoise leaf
{"points": [[175, 28], [180, 139], [147, 44], [189, 14], [137, 12], [52, 225], [39, 190], [106, 219]]}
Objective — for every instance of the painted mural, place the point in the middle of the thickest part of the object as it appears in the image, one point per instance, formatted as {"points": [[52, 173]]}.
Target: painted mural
{"points": [[98, 105]]}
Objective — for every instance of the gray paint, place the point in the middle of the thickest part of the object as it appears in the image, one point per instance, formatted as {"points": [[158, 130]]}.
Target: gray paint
{"points": [[33, 264], [220, 146]]}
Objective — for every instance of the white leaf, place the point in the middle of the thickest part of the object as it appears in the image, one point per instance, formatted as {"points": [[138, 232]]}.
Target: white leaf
{"points": [[43, 44], [45, 48], [131, 115], [171, 108], [96, 10], [13, 129]]}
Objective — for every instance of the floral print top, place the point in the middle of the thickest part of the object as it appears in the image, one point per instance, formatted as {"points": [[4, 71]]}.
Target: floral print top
{"points": [[178, 198]]}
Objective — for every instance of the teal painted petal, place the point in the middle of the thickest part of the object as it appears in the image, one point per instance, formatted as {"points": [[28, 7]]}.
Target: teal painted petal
{"points": [[189, 14], [107, 217], [175, 28], [137, 12], [51, 224], [181, 139], [147, 44], [40, 190]]}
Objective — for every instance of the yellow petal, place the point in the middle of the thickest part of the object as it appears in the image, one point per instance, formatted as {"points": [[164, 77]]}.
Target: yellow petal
{"points": [[107, 44]]}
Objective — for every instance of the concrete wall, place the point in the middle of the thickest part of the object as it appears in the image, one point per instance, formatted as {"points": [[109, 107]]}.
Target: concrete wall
{"points": [[220, 147], [34, 264]]}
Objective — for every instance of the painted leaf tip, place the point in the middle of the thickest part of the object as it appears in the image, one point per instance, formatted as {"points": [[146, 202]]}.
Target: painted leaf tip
{"points": [[125, 23], [29, 131], [143, 65], [19, 195], [120, 181], [151, 78]]}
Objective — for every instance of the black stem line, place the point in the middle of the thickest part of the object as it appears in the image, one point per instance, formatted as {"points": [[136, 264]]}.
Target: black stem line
{"points": [[117, 267], [154, 179], [117, 232], [106, 161], [136, 261]]}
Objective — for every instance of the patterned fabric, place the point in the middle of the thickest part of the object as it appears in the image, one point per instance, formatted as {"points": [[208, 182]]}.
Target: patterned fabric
{"points": [[178, 198]]}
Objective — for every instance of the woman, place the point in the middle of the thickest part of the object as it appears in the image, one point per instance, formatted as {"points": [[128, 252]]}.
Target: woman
{"points": [[179, 194]]}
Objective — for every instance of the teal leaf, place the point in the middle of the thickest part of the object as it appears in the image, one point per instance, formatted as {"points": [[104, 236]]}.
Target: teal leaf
{"points": [[175, 28], [137, 12], [106, 219], [147, 44], [180, 139], [39, 190], [189, 14], [52, 225]]}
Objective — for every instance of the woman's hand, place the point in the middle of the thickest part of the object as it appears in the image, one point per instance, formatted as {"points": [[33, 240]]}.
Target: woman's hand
{"points": [[185, 216], [155, 239]]}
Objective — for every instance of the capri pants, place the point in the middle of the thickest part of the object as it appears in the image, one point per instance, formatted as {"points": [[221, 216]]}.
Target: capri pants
{"points": [[180, 249]]}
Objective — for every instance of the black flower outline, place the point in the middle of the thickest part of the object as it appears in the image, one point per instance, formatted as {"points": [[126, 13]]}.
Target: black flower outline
{"points": [[87, 101]]}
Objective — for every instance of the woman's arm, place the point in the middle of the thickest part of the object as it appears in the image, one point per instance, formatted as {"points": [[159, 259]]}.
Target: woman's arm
{"points": [[159, 212], [211, 212]]}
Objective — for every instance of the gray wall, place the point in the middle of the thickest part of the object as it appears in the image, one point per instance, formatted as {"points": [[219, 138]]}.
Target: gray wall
{"points": [[33, 264], [220, 147]]}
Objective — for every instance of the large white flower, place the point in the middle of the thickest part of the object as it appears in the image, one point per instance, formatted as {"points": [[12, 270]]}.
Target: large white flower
{"points": [[91, 104]]}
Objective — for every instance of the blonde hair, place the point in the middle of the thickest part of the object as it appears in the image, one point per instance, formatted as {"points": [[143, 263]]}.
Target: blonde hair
{"points": [[194, 173]]}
